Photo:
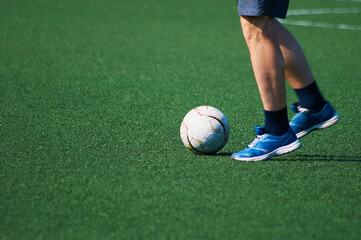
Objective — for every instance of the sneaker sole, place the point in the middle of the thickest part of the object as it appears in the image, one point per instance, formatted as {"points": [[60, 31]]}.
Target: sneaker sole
{"points": [[277, 152], [319, 126]]}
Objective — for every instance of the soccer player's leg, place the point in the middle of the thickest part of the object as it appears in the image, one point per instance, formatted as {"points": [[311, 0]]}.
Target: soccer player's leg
{"points": [[313, 111], [276, 137]]}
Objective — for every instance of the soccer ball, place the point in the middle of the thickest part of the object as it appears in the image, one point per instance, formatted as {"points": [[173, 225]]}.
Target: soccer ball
{"points": [[204, 130]]}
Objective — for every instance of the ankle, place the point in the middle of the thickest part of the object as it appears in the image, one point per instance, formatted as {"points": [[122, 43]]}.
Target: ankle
{"points": [[276, 122]]}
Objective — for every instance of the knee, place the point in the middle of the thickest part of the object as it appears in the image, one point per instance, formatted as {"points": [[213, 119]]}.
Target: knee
{"points": [[254, 28]]}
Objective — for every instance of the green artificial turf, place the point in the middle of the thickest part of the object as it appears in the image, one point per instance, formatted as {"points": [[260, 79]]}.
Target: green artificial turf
{"points": [[92, 94]]}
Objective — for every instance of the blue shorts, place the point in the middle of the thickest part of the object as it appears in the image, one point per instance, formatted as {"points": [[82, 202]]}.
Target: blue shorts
{"points": [[272, 8]]}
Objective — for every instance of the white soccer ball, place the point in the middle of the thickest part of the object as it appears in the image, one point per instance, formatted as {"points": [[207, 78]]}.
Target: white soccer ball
{"points": [[204, 130]]}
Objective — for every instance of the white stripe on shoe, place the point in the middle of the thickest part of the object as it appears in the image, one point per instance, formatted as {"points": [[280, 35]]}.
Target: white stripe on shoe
{"points": [[319, 126], [277, 152]]}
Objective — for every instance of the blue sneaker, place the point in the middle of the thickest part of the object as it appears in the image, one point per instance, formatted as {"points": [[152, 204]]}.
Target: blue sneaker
{"points": [[265, 146], [304, 121]]}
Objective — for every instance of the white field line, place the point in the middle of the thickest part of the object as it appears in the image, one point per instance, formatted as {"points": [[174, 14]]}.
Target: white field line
{"points": [[323, 11], [319, 12], [322, 25]]}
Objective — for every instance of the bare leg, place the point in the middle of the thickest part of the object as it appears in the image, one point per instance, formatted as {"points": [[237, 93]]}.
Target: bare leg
{"points": [[267, 60], [297, 71]]}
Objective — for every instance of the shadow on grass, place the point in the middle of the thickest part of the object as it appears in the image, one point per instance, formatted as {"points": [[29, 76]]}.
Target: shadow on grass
{"points": [[326, 158], [224, 154], [306, 157]]}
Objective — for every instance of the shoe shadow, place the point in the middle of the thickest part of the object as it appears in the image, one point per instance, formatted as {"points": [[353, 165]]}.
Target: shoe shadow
{"points": [[307, 158], [325, 158], [224, 154]]}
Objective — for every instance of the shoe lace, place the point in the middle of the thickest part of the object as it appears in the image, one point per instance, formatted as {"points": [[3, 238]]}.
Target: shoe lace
{"points": [[257, 140], [300, 111]]}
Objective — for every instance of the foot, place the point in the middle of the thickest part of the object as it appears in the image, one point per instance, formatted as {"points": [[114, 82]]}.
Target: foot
{"points": [[304, 121], [265, 146]]}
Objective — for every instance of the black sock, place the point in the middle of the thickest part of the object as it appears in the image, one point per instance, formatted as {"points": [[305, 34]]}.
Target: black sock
{"points": [[276, 122], [311, 98]]}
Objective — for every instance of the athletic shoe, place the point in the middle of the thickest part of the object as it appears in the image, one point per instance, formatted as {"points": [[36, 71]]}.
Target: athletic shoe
{"points": [[304, 121], [265, 146]]}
